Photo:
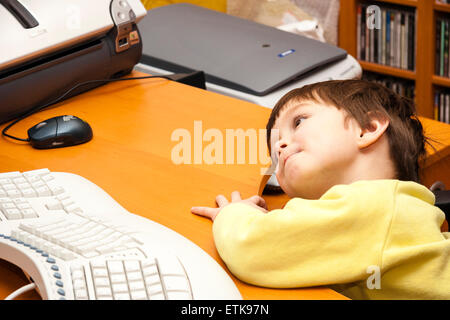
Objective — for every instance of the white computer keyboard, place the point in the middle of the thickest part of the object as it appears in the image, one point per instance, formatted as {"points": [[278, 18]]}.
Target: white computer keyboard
{"points": [[75, 242]]}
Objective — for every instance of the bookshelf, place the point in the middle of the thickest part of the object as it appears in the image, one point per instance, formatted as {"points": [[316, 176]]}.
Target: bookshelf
{"points": [[424, 77]]}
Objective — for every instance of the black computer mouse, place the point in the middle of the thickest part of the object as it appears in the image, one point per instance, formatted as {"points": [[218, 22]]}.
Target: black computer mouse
{"points": [[58, 132]]}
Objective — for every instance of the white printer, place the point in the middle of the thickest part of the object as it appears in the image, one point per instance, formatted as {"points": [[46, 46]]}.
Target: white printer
{"points": [[49, 46], [240, 58]]}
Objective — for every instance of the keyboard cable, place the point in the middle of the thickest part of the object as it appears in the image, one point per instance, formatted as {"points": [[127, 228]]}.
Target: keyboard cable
{"points": [[21, 290], [39, 108]]}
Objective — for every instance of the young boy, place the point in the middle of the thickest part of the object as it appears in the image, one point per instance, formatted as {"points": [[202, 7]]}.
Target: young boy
{"points": [[359, 222]]}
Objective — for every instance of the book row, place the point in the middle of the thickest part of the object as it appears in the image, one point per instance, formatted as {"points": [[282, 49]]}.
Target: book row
{"points": [[442, 47], [442, 105], [402, 87], [386, 35]]}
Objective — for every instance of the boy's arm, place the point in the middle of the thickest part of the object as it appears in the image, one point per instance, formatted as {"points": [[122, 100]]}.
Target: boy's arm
{"points": [[336, 239]]}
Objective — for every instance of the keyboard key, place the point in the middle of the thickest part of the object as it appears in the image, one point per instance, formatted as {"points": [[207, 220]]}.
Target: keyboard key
{"points": [[8, 205], [54, 205], [120, 288], [138, 295], [9, 186], [158, 296], [99, 272], [98, 263], [12, 214], [19, 180], [136, 285], [115, 267], [132, 265], [134, 275], [13, 193], [23, 186], [152, 279], [118, 278], [121, 296], [11, 175], [29, 193], [154, 289], [47, 177], [37, 172], [103, 292], [101, 282], [56, 190], [175, 283], [81, 294], [23, 205], [178, 295], [169, 265], [72, 208], [28, 213], [43, 191], [149, 270]]}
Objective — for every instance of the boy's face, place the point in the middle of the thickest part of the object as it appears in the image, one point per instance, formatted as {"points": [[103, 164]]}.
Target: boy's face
{"points": [[316, 148]]}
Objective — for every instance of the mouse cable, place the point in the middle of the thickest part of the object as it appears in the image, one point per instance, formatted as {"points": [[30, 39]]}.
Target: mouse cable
{"points": [[39, 108]]}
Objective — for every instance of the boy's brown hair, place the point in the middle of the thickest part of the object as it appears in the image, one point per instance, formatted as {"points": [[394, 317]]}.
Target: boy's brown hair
{"points": [[362, 100]]}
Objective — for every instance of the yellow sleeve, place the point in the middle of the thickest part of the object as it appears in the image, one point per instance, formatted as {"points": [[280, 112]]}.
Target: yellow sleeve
{"points": [[310, 242]]}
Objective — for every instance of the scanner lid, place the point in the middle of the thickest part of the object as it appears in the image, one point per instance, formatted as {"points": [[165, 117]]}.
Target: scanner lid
{"points": [[233, 52]]}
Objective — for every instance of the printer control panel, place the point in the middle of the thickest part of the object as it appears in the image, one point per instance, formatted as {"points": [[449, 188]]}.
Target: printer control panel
{"points": [[124, 18]]}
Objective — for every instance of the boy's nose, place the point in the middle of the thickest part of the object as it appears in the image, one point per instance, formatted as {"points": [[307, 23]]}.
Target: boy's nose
{"points": [[281, 146]]}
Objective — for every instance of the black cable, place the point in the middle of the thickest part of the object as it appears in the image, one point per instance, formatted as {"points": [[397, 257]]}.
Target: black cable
{"points": [[39, 108]]}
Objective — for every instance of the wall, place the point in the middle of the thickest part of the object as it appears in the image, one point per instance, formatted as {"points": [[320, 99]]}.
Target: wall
{"points": [[219, 5]]}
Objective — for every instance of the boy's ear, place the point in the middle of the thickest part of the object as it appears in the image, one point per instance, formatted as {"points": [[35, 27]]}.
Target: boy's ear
{"points": [[373, 132]]}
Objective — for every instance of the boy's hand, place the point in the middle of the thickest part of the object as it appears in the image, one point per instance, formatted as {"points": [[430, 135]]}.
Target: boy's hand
{"points": [[222, 201]]}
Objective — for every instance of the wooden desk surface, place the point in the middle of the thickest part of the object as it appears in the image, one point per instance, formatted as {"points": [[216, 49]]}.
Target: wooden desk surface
{"points": [[130, 158]]}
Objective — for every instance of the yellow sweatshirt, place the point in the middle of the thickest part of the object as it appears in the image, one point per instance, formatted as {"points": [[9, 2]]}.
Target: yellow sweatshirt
{"points": [[377, 239]]}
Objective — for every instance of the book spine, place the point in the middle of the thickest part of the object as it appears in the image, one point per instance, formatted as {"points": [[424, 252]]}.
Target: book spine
{"points": [[367, 31], [363, 32], [436, 106], [412, 52], [403, 50], [447, 110], [380, 39], [447, 49], [441, 71], [406, 40], [383, 36], [388, 37], [393, 42], [358, 32], [371, 45], [398, 31], [446, 33], [438, 47], [376, 31]]}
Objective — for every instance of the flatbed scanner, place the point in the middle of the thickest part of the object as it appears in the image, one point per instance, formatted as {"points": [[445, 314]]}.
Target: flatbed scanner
{"points": [[49, 46], [240, 58]]}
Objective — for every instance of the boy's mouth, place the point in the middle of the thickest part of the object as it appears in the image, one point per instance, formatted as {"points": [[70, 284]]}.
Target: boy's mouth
{"points": [[286, 159]]}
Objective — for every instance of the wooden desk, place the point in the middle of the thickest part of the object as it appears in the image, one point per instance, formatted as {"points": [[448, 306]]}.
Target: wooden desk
{"points": [[130, 158]]}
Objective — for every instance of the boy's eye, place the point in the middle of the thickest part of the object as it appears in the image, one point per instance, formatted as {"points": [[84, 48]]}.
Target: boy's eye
{"points": [[298, 120]]}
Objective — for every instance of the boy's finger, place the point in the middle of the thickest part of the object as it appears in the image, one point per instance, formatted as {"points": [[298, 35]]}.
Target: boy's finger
{"points": [[221, 200], [205, 212], [259, 201], [235, 196]]}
